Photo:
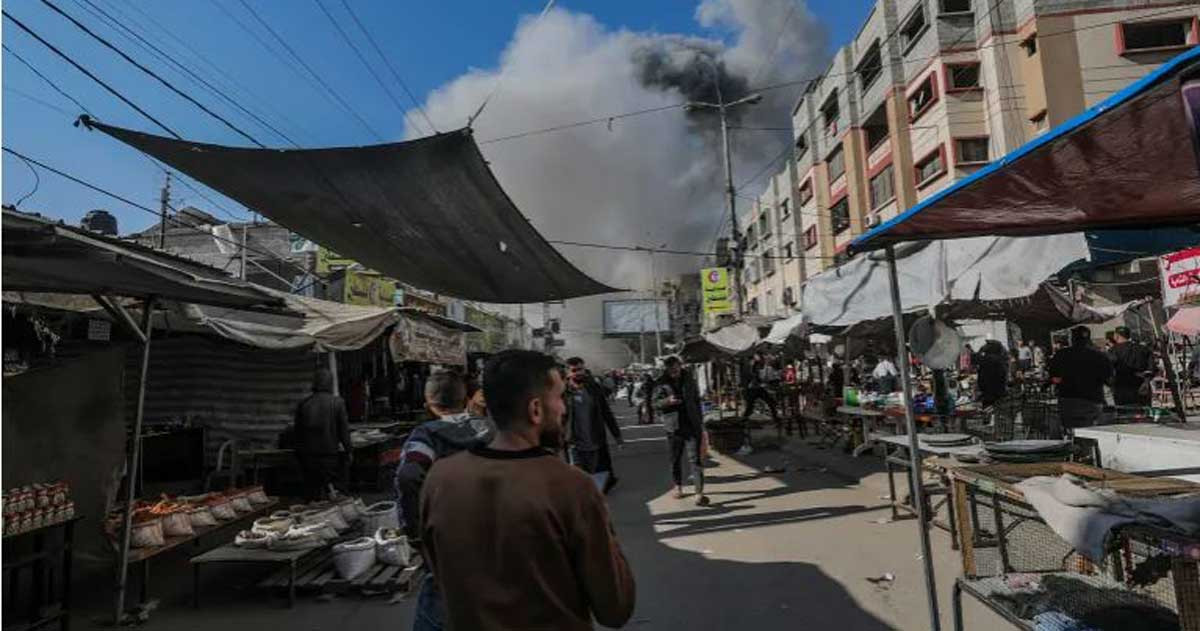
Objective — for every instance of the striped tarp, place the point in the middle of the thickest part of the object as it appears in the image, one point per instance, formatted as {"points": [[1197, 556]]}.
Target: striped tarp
{"points": [[239, 392]]}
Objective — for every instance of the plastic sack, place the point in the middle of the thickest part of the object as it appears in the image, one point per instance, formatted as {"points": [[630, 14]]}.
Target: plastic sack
{"points": [[319, 529], [272, 525], [201, 517], [178, 524], [354, 557], [333, 515], [252, 539], [392, 547], [241, 502], [294, 540], [350, 507], [380, 515], [147, 534], [222, 509], [257, 496]]}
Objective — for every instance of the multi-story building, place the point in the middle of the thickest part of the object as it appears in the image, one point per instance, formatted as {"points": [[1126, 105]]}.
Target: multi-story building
{"points": [[931, 90], [773, 268], [685, 306]]}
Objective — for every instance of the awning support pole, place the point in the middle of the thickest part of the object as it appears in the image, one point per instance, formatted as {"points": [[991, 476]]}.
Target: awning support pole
{"points": [[914, 459], [121, 315], [134, 462], [333, 371]]}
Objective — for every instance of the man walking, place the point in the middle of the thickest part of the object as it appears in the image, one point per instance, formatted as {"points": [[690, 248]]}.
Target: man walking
{"points": [[677, 400], [1132, 367], [1080, 372], [588, 416], [516, 538], [756, 389], [321, 428], [453, 430]]}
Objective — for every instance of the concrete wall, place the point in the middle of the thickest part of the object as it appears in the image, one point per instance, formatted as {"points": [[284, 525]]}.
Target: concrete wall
{"points": [[67, 422]]}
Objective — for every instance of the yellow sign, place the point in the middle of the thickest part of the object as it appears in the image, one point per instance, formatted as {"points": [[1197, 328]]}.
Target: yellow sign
{"points": [[368, 289], [714, 286], [328, 259]]}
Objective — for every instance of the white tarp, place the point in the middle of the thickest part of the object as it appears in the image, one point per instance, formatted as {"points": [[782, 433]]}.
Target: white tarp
{"points": [[738, 337], [981, 268], [785, 328]]}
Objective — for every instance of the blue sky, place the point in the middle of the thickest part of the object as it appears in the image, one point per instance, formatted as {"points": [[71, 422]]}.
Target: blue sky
{"points": [[429, 44]]}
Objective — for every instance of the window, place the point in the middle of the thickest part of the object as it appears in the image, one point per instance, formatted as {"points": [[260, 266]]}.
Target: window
{"points": [[971, 150], [870, 67], [764, 223], [962, 77], [784, 209], [810, 237], [922, 98], [930, 167], [805, 193], [837, 164], [829, 113], [840, 212], [913, 28], [801, 146], [768, 262], [1137, 36], [750, 235], [1030, 45], [788, 251], [876, 128], [882, 187], [956, 6]]}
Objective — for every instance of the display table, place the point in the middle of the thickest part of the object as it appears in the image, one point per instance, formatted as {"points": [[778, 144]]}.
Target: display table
{"points": [[1146, 448], [896, 454], [229, 553]]}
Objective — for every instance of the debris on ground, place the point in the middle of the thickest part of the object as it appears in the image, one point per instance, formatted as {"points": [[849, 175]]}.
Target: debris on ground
{"points": [[882, 520], [883, 580]]}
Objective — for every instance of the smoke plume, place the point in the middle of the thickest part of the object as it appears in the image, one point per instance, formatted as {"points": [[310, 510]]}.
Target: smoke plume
{"points": [[644, 180]]}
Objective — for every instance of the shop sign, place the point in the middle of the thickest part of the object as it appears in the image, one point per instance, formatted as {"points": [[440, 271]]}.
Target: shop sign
{"points": [[1180, 276], [419, 340], [716, 292], [328, 259], [368, 289]]}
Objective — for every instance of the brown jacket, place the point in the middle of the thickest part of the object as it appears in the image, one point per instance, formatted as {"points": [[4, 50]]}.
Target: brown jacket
{"points": [[522, 540]]}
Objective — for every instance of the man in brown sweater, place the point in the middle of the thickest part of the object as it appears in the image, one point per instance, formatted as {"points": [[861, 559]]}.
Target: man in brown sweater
{"points": [[517, 538]]}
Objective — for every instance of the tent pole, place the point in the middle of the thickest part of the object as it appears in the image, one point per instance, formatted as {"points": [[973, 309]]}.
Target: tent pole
{"points": [[133, 465], [916, 471], [333, 371]]}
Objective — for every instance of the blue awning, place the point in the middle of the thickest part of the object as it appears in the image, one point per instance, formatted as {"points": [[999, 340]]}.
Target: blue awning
{"points": [[1130, 162]]}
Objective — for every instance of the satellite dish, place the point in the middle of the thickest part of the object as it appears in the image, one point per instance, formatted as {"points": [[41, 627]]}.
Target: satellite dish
{"points": [[937, 343]]}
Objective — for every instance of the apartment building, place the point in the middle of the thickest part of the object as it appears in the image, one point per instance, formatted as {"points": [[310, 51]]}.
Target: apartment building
{"points": [[774, 267], [931, 90]]}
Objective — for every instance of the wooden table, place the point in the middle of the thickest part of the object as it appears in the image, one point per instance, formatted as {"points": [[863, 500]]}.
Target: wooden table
{"points": [[230, 553]]}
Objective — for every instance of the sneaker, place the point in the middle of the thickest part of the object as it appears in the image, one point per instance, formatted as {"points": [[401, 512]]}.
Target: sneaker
{"points": [[703, 501]]}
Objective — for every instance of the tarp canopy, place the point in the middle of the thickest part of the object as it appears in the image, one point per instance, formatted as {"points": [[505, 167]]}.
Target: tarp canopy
{"points": [[1129, 162], [41, 255], [428, 212], [733, 339], [969, 272]]}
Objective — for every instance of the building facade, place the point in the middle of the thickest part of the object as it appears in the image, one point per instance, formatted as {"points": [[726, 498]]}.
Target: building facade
{"points": [[928, 92], [774, 267]]}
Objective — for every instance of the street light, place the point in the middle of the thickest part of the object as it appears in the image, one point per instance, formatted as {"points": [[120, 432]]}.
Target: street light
{"points": [[722, 108]]}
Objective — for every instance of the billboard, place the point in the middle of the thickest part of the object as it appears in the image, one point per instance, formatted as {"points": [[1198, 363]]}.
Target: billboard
{"points": [[1180, 275], [632, 317], [716, 290]]}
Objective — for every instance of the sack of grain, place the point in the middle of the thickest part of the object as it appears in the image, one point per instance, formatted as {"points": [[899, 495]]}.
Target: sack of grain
{"points": [[380, 515], [354, 557], [252, 539], [147, 532], [392, 548]]}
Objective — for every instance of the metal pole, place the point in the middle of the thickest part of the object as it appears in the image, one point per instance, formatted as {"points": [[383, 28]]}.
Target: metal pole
{"points": [[1163, 344], [642, 336], [918, 490], [164, 203], [654, 297], [333, 371], [133, 464], [730, 194]]}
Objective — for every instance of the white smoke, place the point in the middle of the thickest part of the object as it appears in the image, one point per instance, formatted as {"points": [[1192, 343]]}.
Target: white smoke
{"points": [[642, 180]]}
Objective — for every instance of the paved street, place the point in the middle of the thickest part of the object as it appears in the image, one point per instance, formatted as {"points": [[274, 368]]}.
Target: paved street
{"points": [[774, 551]]}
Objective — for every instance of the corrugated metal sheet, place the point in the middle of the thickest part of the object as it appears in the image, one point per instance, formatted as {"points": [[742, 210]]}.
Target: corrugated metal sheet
{"points": [[236, 391]]}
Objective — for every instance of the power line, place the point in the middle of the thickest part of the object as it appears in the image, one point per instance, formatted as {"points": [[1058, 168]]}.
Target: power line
{"points": [[46, 104], [592, 121], [152, 211], [332, 93], [358, 53], [165, 57], [150, 72], [46, 79], [391, 68], [89, 74]]}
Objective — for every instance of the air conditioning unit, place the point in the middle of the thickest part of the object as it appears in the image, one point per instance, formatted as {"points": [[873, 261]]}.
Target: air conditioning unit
{"points": [[873, 221]]}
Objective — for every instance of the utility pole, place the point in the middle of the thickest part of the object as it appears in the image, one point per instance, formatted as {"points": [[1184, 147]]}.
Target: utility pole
{"points": [[730, 192], [164, 204], [654, 305]]}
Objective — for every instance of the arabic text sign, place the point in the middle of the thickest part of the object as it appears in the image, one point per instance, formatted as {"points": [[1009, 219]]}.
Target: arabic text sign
{"points": [[1180, 275], [714, 285]]}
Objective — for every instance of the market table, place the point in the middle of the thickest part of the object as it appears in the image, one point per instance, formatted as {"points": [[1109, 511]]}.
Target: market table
{"points": [[864, 416], [896, 454], [1147, 448], [230, 553]]}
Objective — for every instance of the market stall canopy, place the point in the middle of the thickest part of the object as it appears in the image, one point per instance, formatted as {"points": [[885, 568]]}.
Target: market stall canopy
{"points": [[1186, 321], [41, 255], [974, 273], [1141, 144], [428, 212], [733, 339]]}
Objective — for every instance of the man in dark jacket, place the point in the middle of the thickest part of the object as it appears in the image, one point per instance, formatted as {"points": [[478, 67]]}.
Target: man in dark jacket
{"points": [[321, 428], [1079, 373], [992, 366], [588, 416], [677, 400], [1132, 366], [453, 430]]}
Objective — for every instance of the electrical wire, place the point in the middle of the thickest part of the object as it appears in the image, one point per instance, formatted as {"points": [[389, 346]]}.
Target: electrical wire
{"points": [[34, 99], [387, 62], [503, 74], [89, 74], [778, 39], [46, 79], [150, 72], [37, 181], [332, 93]]}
